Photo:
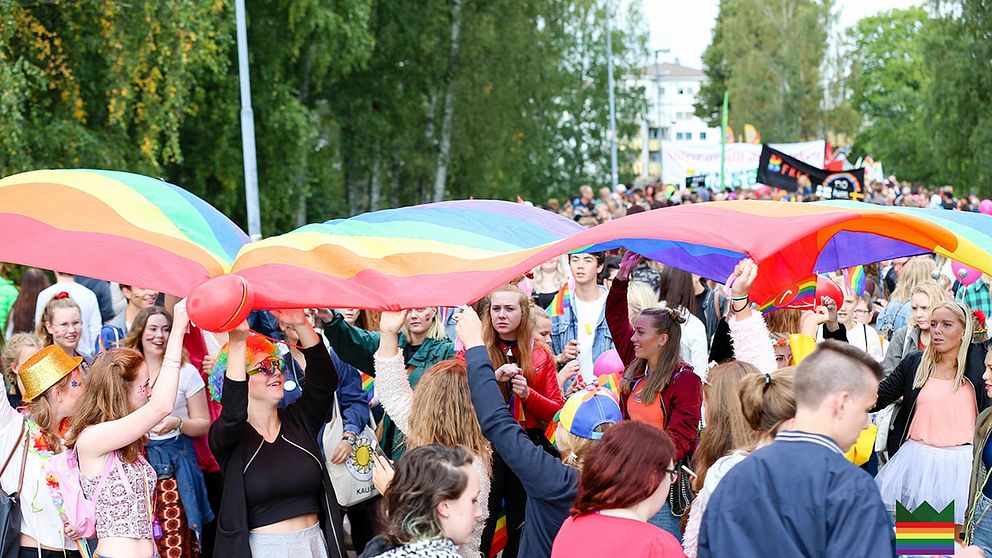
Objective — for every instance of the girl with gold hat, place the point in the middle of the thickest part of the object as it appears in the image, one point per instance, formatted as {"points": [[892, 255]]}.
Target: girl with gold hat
{"points": [[52, 385]]}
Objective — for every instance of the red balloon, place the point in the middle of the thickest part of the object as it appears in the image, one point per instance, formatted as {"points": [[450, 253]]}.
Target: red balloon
{"points": [[827, 288], [221, 303]]}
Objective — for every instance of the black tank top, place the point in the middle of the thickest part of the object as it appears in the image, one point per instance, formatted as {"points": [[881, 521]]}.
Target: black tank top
{"points": [[281, 482]]}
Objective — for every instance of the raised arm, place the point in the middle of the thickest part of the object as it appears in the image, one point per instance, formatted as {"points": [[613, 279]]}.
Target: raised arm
{"points": [[352, 344], [322, 377], [616, 309], [225, 432], [748, 331], [101, 439], [392, 385], [542, 475]]}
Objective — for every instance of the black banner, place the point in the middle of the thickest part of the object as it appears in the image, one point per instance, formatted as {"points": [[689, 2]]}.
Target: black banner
{"points": [[779, 170], [695, 181]]}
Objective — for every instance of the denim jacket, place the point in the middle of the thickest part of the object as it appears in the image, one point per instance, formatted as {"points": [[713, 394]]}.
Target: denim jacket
{"points": [[564, 328]]}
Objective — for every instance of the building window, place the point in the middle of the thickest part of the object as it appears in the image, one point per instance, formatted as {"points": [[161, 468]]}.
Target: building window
{"points": [[655, 156], [681, 91], [702, 136], [688, 135], [679, 136], [653, 133]]}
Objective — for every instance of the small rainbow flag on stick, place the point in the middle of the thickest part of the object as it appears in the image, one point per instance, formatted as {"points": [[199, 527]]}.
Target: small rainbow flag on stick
{"points": [[368, 385], [925, 531], [562, 301], [857, 279]]}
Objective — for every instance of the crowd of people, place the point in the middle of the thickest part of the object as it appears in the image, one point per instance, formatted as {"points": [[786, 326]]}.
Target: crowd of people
{"points": [[590, 208], [600, 405]]}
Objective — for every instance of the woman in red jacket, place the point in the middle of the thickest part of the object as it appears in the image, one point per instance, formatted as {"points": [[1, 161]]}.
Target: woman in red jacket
{"points": [[525, 370], [658, 387]]}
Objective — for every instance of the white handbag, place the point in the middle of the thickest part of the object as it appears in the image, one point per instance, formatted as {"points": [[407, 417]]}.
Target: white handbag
{"points": [[352, 480]]}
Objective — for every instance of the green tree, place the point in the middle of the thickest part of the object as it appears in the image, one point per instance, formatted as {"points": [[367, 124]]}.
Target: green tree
{"points": [[889, 84], [957, 51], [768, 54]]}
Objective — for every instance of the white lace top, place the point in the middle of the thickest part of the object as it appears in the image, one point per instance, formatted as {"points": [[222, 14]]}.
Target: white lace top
{"points": [[122, 509], [392, 387]]}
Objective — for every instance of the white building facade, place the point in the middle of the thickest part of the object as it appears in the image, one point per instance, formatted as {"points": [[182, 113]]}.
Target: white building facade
{"points": [[671, 91]]}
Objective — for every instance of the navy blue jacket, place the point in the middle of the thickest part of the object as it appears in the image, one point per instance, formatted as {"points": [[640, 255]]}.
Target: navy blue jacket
{"points": [[798, 497], [551, 485]]}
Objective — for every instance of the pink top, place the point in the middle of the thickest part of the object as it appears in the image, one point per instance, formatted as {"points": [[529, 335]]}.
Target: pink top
{"points": [[944, 418], [604, 535], [122, 508]]}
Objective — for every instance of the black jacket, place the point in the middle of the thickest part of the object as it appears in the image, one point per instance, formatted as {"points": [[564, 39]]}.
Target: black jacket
{"points": [[900, 384], [234, 443]]}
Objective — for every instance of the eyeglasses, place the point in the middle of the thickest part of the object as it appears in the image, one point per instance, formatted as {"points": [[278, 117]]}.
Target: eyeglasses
{"points": [[270, 367], [860, 311], [674, 473]]}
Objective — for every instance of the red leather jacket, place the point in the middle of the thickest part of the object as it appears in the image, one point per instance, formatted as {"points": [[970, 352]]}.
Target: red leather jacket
{"points": [[682, 399]]}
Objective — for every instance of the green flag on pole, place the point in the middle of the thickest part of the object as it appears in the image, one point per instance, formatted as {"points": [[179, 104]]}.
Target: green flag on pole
{"points": [[723, 140]]}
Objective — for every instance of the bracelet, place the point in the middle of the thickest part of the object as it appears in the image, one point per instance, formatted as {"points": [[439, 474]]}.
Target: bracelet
{"points": [[180, 427], [739, 298], [350, 437], [736, 310], [177, 363]]}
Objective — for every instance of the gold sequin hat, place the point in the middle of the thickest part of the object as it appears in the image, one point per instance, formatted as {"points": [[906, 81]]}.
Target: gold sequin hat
{"points": [[44, 369]]}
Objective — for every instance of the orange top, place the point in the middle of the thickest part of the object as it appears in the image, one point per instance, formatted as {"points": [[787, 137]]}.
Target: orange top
{"points": [[650, 413], [944, 418]]}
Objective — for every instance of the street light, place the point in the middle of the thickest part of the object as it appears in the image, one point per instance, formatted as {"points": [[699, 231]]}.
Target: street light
{"points": [[657, 77], [613, 115], [247, 126]]}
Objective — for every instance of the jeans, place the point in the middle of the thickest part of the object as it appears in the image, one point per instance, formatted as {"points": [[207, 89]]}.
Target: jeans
{"points": [[665, 520], [981, 524]]}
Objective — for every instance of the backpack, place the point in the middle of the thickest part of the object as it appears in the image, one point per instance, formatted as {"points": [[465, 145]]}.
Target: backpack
{"points": [[80, 512]]}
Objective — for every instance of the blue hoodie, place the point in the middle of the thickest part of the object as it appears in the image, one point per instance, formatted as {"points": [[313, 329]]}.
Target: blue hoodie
{"points": [[551, 485]]}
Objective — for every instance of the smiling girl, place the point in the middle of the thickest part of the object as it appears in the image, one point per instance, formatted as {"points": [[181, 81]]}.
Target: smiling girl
{"points": [[930, 438]]}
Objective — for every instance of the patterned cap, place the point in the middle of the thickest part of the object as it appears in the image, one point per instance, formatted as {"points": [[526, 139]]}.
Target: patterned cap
{"points": [[588, 409]]}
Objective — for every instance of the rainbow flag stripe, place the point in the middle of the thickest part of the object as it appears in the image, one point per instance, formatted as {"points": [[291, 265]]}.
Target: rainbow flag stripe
{"points": [[924, 531], [499, 537], [172, 240], [368, 385], [805, 296], [859, 280], [561, 302]]}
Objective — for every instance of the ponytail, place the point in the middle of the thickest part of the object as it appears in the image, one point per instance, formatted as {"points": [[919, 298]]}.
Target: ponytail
{"points": [[768, 400]]}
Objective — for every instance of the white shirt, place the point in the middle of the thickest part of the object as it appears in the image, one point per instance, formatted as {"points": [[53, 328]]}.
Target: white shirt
{"points": [[89, 310], [693, 344], [40, 519], [587, 315], [190, 383]]}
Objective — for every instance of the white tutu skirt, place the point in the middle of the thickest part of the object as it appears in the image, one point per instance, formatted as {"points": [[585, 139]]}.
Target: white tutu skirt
{"points": [[918, 473]]}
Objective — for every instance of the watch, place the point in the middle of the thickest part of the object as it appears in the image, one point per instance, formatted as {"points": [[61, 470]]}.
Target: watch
{"points": [[350, 437]]}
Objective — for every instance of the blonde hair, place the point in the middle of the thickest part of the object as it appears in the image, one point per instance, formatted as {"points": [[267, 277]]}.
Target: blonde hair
{"points": [[725, 427], [435, 331], [48, 315], [928, 363], [932, 290], [640, 296], [917, 270], [43, 412], [12, 349], [575, 447], [536, 313], [561, 272], [442, 413]]}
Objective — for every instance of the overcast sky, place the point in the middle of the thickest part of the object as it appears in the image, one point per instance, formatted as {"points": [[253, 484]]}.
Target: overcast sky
{"points": [[685, 26]]}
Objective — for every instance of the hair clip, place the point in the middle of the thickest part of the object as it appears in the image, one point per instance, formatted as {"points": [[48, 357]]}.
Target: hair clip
{"points": [[768, 378], [61, 295]]}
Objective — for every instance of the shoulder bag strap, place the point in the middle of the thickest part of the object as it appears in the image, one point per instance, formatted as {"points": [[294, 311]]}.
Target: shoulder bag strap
{"points": [[13, 450], [24, 461], [111, 461]]}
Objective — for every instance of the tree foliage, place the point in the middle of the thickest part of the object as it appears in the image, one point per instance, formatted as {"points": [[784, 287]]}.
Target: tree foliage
{"points": [[349, 97], [768, 56]]}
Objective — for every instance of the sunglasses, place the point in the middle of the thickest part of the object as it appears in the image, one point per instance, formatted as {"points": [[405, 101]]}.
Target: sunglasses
{"points": [[270, 367]]}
